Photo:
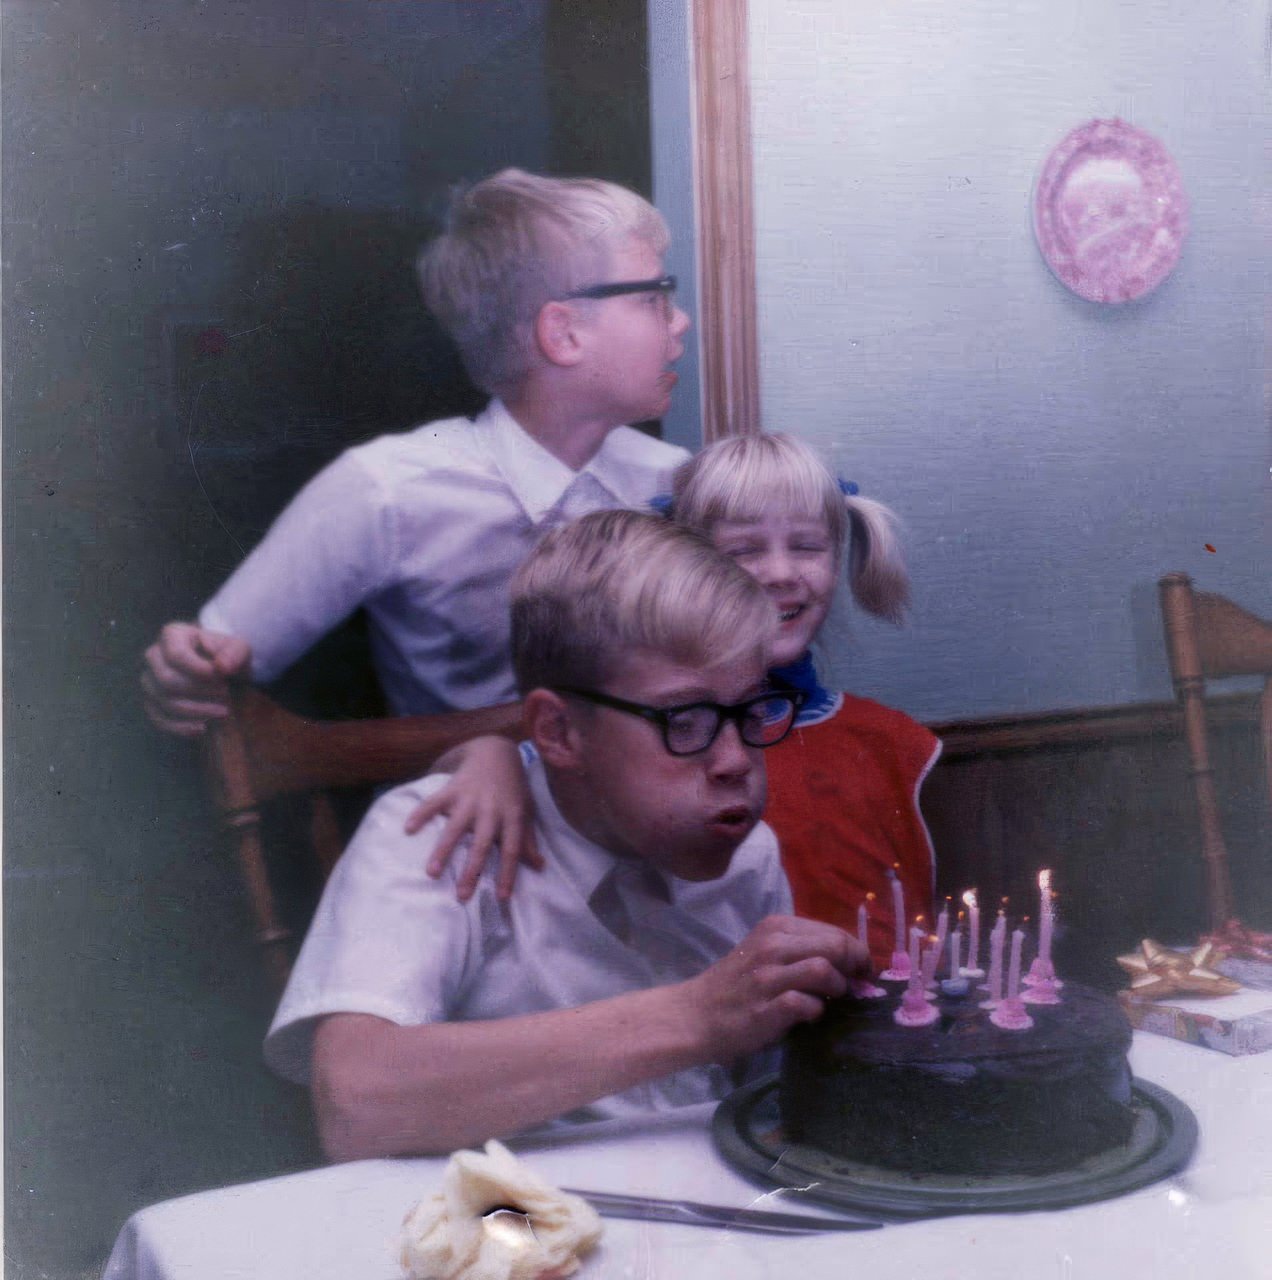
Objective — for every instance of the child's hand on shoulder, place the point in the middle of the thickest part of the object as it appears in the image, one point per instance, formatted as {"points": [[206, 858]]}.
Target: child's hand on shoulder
{"points": [[487, 801]]}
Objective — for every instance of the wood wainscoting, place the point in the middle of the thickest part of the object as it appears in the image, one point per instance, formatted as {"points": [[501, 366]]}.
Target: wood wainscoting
{"points": [[1103, 798]]}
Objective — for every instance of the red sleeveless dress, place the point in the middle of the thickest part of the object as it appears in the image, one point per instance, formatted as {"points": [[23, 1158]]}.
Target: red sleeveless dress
{"points": [[843, 800]]}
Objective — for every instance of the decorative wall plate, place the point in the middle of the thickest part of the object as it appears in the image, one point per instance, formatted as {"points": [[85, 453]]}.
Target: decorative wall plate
{"points": [[1110, 213]]}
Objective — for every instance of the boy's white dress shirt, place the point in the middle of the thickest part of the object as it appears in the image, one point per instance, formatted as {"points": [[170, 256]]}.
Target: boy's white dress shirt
{"points": [[388, 940], [424, 529]]}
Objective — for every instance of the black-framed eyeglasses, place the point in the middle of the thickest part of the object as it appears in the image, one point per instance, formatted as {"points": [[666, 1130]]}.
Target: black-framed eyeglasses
{"points": [[664, 285], [762, 721]]}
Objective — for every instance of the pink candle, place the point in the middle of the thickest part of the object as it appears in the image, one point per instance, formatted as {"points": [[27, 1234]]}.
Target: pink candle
{"points": [[898, 909], [862, 925], [973, 925], [1013, 972]]}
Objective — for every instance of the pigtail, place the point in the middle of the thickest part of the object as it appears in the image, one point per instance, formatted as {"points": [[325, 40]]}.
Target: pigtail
{"points": [[876, 568]]}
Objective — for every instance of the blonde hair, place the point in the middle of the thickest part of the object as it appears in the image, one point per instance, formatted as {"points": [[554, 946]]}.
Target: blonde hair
{"points": [[615, 581], [515, 241], [741, 477]]}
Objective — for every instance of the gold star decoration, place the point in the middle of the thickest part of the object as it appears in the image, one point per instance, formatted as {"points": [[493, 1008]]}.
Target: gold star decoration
{"points": [[1157, 972]]}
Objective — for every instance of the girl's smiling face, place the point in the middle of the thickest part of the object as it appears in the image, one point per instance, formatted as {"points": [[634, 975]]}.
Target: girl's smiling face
{"points": [[794, 557]]}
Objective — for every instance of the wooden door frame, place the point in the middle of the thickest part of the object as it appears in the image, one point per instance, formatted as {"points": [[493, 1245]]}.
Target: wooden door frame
{"points": [[724, 196]]}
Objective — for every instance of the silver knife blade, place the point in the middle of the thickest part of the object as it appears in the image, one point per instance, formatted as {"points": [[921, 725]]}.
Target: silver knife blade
{"points": [[691, 1213]]}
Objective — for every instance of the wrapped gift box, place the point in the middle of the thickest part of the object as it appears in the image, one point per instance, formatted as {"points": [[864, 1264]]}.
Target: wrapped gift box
{"points": [[1250, 973], [1238, 1024]]}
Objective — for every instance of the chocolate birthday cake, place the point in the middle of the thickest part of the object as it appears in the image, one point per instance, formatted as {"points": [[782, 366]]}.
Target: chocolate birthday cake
{"points": [[961, 1096]]}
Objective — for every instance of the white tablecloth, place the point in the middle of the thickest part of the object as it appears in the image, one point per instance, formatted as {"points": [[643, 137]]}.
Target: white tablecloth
{"points": [[341, 1223]]}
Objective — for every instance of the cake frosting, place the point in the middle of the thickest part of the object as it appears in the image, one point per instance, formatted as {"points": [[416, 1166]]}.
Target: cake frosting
{"points": [[961, 1095]]}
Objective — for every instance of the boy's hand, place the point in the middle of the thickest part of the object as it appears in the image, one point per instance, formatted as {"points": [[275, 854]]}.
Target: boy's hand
{"points": [[488, 801], [185, 677], [781, 973]]}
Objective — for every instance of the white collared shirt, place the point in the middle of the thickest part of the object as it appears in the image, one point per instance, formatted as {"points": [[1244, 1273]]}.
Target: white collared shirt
{"points": [[389, 941], [424, 530]]}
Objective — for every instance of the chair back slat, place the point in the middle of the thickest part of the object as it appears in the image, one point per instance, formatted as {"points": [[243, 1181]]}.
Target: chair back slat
{"points": [[262, 752], [1207, 636]]}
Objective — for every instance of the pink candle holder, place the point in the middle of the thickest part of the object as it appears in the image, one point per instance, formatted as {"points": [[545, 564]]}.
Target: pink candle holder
{"points": [[1042, 971], [864, 989], [915, 1010], [1011, 1015], [899, 969], [1042, 991]]}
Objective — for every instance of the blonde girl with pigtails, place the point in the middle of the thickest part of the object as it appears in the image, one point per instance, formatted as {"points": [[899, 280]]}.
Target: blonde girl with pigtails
{"points": [[843, 787]]}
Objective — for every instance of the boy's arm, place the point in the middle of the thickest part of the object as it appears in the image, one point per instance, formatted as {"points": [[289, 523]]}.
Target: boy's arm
{"points": [[381, 1089], [488, 801], [330, 549], [185, 677]]}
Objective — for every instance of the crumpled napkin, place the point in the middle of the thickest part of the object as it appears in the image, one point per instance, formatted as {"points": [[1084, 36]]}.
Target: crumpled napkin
{"points": [[444, 1237]]}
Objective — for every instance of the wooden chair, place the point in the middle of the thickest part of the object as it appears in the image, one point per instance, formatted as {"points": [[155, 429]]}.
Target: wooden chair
{"points": [[262, 752], [1208, 637]]}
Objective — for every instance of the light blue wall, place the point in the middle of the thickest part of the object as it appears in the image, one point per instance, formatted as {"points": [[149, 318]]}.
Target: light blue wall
{"points": [[1051, 457], [670, 110]]}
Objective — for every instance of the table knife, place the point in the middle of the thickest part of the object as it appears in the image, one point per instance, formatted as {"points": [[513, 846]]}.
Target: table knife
{"points": [[691, 1213]]}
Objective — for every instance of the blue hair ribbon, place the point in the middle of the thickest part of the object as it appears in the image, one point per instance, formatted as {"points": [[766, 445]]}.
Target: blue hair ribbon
{"points": [[662, 504], [848, 488]]}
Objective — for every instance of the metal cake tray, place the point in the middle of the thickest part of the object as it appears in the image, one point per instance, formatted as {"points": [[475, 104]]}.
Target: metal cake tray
{"points": [[748, 1134]]}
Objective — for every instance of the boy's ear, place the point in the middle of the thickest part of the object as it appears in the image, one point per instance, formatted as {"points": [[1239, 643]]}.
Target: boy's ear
{"points": [[557, 335], [549, 725]]}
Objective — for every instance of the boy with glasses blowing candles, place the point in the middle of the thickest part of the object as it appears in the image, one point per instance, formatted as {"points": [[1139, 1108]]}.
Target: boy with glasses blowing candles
{"points": [[655, 954], [555, 292]]}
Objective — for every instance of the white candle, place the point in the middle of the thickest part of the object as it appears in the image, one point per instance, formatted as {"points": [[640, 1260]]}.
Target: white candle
{"points": [[898, 909], [1046, 917], [973, 925], [1013, 972], [931, 958], [996, 936], [956, 945], [916, 972], [943, 924]]}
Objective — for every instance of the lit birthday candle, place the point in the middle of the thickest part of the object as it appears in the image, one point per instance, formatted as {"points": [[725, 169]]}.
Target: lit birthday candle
{"points": [[995, 982], [972, 969], [915, 1009], [900, 969], [863, 988], [1013, 969], [1012, 1015], [898, 909], [931, 958], [1046, 916], [943, 924], [1041, 978], [916, 968]]}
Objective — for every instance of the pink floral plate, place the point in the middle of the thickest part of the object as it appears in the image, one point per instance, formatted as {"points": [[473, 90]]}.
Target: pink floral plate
{"points": [[1110, 212]]}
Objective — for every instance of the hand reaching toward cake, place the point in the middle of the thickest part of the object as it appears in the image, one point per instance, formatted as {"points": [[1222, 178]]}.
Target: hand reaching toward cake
{"points": [[781, 973]]}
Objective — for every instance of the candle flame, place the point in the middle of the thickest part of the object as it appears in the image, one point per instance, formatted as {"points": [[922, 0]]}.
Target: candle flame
{"points": [[969, 898], [870, 897]]}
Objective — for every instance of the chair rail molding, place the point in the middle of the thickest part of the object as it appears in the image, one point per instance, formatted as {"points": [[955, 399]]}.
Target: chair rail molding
{"points": [[725, 200]]}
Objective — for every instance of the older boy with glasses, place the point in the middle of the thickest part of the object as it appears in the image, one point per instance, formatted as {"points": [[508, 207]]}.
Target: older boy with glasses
{"points": [[555, 292], [654, 957]]}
